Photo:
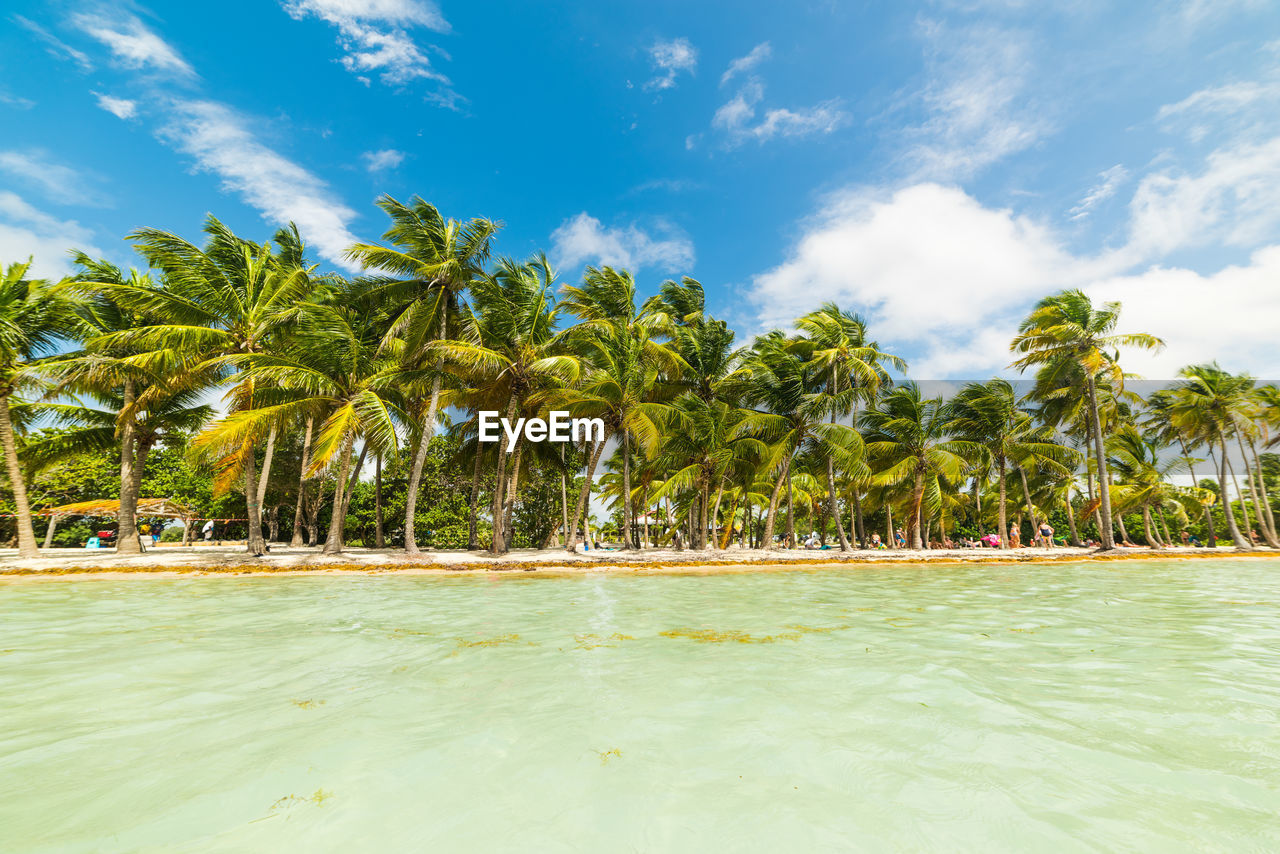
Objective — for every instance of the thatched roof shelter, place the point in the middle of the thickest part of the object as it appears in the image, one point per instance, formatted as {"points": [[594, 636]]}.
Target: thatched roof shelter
{"points": [[161, 507]]}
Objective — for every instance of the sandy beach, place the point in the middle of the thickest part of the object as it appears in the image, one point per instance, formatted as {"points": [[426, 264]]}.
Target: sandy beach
{"points": [[232, 560]]}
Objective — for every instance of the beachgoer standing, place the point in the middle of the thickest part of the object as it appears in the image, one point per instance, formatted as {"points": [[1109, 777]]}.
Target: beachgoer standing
{"points": [[1046, 534], [1015, 537], [207, 530]]}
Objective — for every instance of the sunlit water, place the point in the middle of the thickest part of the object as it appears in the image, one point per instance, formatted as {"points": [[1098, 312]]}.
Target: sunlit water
{"points": [[1123, 706]]}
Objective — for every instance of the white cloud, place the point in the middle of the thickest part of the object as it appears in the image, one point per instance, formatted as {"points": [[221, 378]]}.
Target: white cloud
{"points": [[737, 117], [26, 232], [1229, 98], [54, 45], [1110, 181], [377, 161], [121, 108], [976, 100], [1233, 201], [133, 44], [373, 35], [57, 181], [583, 239], [17, 101], [743, 64], [278, 188], [669, 59]]}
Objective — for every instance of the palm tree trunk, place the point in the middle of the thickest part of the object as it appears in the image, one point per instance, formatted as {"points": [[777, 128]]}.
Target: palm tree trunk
{"points": [[26, 533], [890, 540], [513, 486], [498, 544], [473, 536], [1244, 505], [1026, 496], [1097, 514], [715, 514], [727, 536], [834, 505], [859, 526], [1152, 539], [766, 539], [977, 504], [355, 481], [1071, 520], [333, 544], [1208, 514], [379, 538], [1268, 534], [1003, 531], [1266, 499], [48, 534], [1164, 524], [584, 494], [127, 534], [265, 477], [256, 544], [1104, 490], [913, 519], [420, 453], [564, 502], [626, 491], [296, 540], [791, 512], [1230, 517]]}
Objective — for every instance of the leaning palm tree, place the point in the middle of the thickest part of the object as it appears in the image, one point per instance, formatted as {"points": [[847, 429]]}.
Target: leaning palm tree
{"points": [[215, 306], [422, 278], [34, 318], [333, 372], [908, 443], [511, 350], [1207, 404], [1066, 328]]}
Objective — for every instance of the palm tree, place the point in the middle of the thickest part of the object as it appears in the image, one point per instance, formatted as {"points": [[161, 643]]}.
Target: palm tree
{"points": [[334, 371], [840, 349], [907, 443], [793, 409], [34, 317], [422, 277], [1207, 404], [511, 347], [625, 365], [988, 416], [1066, 328], [214, 307]]}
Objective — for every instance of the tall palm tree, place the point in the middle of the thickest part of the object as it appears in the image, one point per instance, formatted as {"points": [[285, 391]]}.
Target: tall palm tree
{"points": [[34, 318], [334, 371], [626, 363], [1207, 404], [215, 306], [423, 277], [840, 349], [1067, 328], [512, 347], [908, 443]]}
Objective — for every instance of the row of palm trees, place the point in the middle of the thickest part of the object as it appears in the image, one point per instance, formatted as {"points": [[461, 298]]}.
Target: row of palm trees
{"points": [[709, 439]]}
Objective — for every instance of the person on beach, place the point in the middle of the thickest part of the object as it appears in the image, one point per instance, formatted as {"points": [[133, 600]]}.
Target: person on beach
{"points": [[901, 538], [1015, 537], [207, 530], [876, 542], [1046, 534]]}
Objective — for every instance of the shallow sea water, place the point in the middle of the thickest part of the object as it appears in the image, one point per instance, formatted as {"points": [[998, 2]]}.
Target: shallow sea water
{"points": [[1127, 706]]}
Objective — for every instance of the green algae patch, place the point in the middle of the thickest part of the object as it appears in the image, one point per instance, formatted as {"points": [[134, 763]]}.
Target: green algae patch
{"points": [[500, 640], [307, 704], [594, 641], [606, 755]]}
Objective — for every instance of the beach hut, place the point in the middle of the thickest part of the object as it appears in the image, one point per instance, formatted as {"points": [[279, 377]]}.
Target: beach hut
{"points": [[163, 508]]}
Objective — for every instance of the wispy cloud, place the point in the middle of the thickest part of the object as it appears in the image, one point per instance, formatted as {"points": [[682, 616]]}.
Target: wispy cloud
{"points": [[744, 64], [584, 239], [26, 231], [378, 161], [54, 45], [738, 117], [282, 191], [374, 36], [10, 100], [1109, 181], [121, 108], [977, 102], [669, 58], [60, 183], [133, 44]]}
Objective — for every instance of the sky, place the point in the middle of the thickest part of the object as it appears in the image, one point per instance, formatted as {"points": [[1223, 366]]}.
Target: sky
{"points": [[936, 167]]}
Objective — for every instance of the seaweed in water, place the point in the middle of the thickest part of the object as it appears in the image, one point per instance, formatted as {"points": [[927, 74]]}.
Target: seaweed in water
{"points": [[308, 704]]}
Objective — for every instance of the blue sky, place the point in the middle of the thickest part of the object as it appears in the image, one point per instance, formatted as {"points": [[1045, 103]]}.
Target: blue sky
{"points": [[936, 166]]}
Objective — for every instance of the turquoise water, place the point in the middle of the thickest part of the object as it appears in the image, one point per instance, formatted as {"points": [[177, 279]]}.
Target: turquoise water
{"points": [[1123, 706]]}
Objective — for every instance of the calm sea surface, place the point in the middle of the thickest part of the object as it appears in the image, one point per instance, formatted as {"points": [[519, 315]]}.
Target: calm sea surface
{"points": [[1129, 706]]}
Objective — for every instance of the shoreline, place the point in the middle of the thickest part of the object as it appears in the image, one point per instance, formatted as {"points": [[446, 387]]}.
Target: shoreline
{"points": [[207, 561]]}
